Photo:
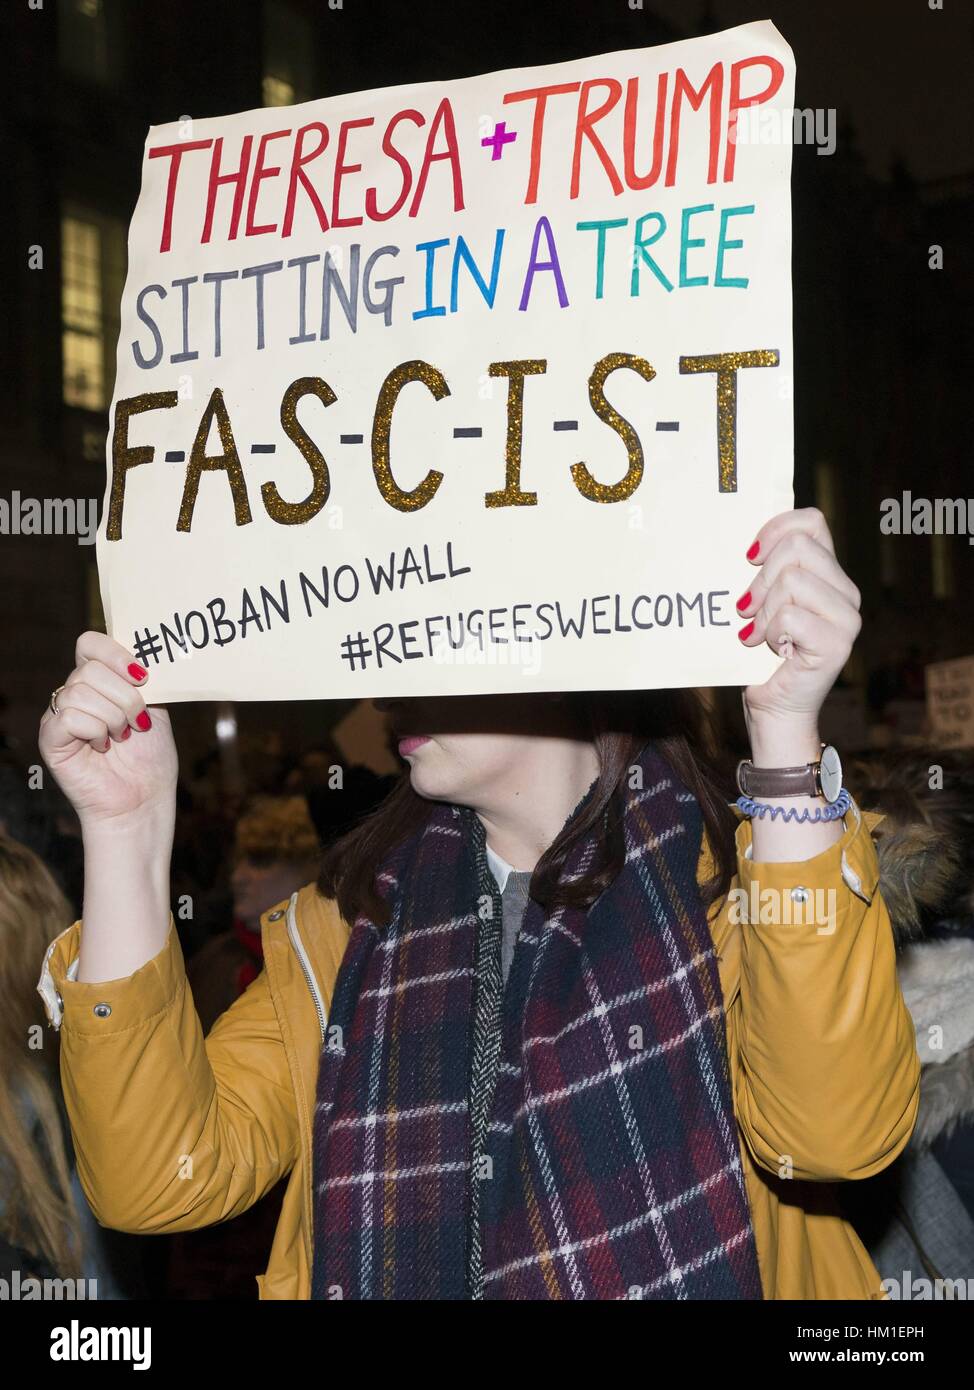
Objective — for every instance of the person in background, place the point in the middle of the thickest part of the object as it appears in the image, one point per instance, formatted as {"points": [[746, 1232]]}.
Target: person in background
{"points": [[917, 1216], [339, 795], [276, 850], [47, 1230], [38, 814]]}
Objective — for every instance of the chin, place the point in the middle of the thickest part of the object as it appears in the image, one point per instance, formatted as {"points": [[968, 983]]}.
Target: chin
{"points": [[433, 783]]}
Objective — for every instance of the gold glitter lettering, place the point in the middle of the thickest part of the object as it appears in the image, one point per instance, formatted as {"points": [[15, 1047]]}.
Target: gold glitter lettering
{"points": [[435, 383], [124, 458], [727, 365], [625, 487], [297, 513], [227, 462], [512, 496]]}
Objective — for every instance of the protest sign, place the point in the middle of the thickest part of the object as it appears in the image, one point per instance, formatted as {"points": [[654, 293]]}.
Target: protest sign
{"points": [[950, 702], [458, 387]]}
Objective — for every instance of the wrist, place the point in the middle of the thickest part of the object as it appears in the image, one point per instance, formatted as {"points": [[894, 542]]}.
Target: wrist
{"points": [[780, 743], [144, 841]]}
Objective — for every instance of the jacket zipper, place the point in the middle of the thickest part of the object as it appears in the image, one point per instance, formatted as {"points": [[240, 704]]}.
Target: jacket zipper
{"points": [[294, 936], [302, 955]]}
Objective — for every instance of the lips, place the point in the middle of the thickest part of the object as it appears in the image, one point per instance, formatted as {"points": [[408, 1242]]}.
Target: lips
{"points": [[410, 742]]}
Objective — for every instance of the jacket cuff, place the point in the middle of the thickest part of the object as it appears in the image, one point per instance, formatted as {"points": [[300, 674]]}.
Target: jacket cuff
{"points": [[851, 860], [94, 1009]]}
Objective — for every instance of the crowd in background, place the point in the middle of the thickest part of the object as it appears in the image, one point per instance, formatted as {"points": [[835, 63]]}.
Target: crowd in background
{"points": [[237, 854]]}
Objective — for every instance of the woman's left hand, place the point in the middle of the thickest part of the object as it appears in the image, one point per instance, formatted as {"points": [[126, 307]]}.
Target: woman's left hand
{"points": [[804, 606]]}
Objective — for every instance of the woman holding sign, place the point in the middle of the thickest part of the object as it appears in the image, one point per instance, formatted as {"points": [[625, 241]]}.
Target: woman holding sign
{"points": [[547, 1026]]}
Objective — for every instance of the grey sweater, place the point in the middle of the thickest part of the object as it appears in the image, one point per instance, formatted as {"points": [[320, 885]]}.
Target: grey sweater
{"points": [[513, 884]]}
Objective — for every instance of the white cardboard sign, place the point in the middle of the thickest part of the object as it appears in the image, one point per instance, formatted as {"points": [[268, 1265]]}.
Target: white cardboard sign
{"points": [[458, 387], [950, 702]]}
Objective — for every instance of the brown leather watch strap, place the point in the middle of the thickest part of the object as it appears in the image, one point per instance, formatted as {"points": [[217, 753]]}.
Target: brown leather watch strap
{"points": [[778, 781]]}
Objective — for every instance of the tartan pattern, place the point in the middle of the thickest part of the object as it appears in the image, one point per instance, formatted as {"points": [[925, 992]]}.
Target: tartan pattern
{"points": [[614, 1164]]}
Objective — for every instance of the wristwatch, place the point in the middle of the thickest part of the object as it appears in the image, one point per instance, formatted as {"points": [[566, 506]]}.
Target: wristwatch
{"points": [[823, 778]]}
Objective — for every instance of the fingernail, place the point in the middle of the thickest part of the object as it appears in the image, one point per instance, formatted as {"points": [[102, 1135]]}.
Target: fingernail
{"points": [[752, 554], [744, 600], [746, 631], [143, 721], [137, 672], [108, 744], [127, 733]]}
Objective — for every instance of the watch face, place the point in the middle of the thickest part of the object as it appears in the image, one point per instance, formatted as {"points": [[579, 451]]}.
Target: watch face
{"points": [[830, 774]]}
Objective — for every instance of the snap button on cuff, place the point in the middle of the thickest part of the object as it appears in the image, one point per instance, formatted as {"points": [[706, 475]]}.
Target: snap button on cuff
{"points": [[799, 895], [275, 916], [102, 1010]]}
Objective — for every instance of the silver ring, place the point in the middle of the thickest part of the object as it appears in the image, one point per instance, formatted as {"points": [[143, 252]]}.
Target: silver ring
{"points": [[54, 695]]}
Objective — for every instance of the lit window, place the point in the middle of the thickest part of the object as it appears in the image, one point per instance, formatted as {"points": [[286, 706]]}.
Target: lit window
{"points": [[92, 269], [942, 569], [288, 56], [277, 92], [87, 37]]}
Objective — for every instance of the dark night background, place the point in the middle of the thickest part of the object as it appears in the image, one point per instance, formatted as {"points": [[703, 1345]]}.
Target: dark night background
{"points": [[883, 343]]}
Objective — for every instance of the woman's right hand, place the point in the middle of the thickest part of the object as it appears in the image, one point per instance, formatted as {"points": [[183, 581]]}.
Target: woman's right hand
{"points": [[115, 762]]}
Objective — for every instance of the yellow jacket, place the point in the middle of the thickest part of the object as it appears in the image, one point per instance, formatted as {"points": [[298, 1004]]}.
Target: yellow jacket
{"points": [[173, 1131]]}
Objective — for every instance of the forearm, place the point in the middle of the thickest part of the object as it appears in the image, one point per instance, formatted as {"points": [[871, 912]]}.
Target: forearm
{"points": [[125, 913], [171, 1131], [781, 841], [829, 1081]]}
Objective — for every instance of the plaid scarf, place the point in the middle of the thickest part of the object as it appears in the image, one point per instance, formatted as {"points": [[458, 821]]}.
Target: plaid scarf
{"points": [[570, 1137]]}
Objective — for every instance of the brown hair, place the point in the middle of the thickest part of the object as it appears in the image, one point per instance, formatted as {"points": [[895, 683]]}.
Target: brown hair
{"points": [[37, 1213], [619, 724]]}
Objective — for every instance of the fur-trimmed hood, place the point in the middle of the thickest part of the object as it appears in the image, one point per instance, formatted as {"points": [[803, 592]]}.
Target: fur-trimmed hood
{"points": [[921, 879], [937, 979]]}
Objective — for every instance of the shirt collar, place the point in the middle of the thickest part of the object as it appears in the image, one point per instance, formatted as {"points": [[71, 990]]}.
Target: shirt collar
{"points": [[499, 868]]}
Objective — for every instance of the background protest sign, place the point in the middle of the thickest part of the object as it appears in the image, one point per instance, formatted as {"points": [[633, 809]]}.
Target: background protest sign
{"points": [[458, 387], [950, 702]]}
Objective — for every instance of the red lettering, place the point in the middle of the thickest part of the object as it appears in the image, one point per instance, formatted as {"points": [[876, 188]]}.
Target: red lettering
{"points": [[341, 169], [175, 155], [298, 160], [371, 207], [444, 118], [681, 88], [777, 77], [633, 179], [584, 129], [539, 95], [238, 179], [260, 173]]}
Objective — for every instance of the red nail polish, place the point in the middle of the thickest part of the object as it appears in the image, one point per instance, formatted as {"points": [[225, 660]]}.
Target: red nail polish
{"points": [[126, 733], [744, 600], [143, 721], [752, 554], [746, 631], [137, 672]]}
